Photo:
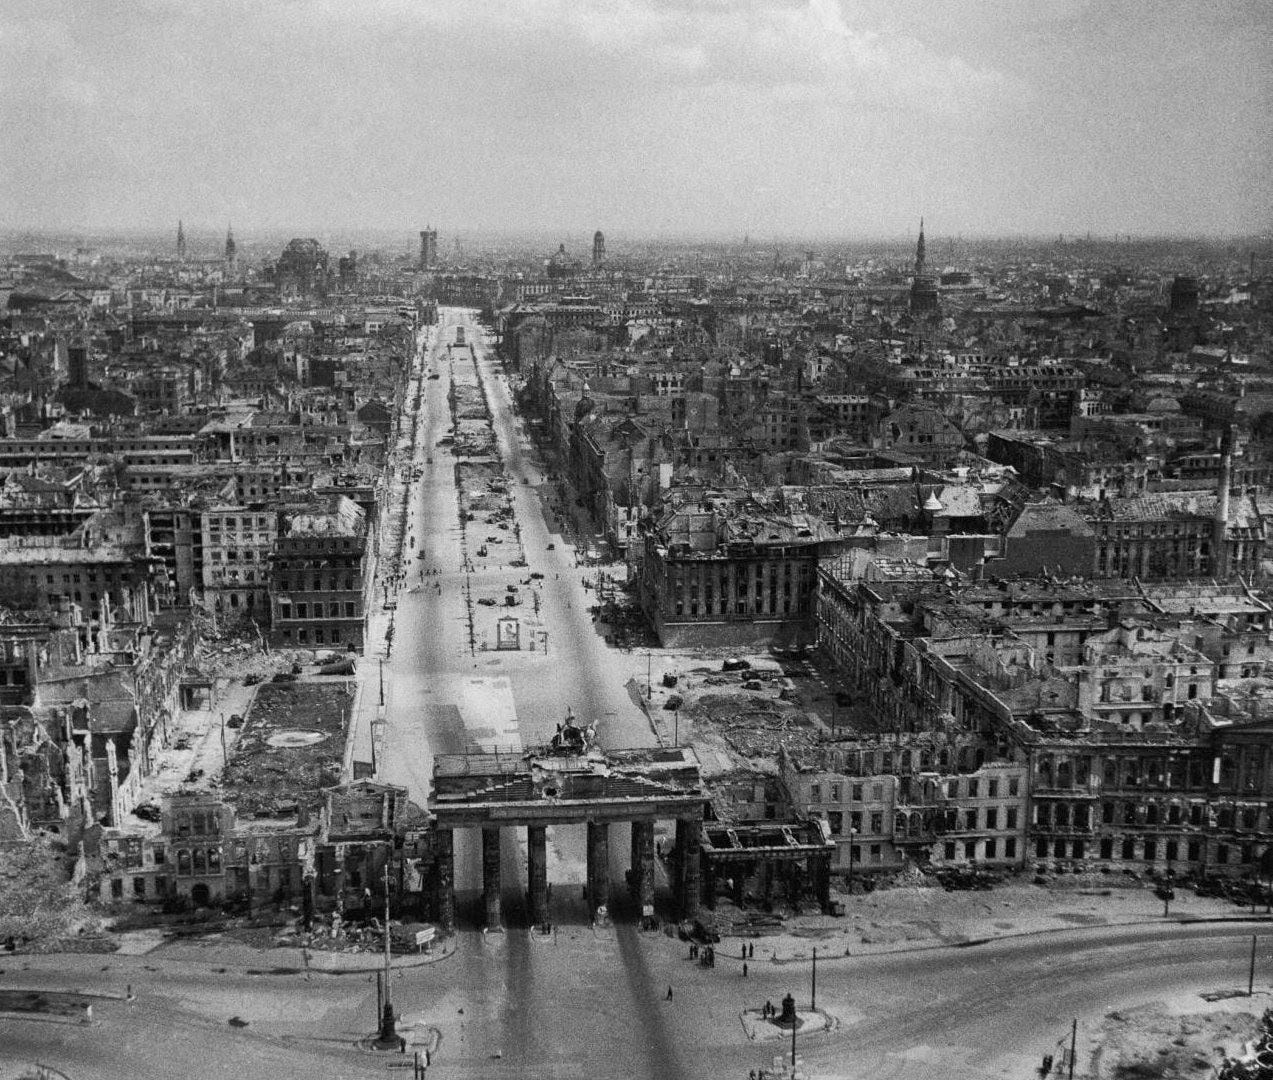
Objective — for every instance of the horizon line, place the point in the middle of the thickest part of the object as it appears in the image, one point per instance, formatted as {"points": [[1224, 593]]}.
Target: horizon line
{"points": [[244, 235]]}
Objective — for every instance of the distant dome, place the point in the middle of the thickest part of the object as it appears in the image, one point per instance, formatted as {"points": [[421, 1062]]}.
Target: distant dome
{"points": [[305, 248]]}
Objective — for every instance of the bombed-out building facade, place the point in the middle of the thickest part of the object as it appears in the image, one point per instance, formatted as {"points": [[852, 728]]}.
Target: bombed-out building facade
{"points": [[1061, 724]]}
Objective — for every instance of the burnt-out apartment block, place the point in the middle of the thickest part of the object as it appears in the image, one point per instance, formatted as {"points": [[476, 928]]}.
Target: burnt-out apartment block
{"points": [[1130, 719], [320, 576]]}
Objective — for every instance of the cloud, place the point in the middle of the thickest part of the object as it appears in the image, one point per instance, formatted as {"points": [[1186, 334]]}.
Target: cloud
{"points": [[799, 51], [707, 113]]}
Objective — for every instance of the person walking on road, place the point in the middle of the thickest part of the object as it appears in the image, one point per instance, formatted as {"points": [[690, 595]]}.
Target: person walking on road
{"points": [[669, 992], [744, 969]]}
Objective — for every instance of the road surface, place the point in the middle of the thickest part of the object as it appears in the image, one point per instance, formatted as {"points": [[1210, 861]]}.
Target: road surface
{"points": [[984, 1012]]}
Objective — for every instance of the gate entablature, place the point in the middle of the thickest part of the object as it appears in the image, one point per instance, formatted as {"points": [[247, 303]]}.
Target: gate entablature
{"points": [[477, 789]]}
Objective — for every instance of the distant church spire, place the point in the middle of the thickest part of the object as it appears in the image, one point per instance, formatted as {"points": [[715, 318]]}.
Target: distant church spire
{"points": [[924, 299], [231, 254], [181, 240]]}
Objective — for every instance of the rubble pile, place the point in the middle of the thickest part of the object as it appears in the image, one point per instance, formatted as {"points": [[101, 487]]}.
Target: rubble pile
{"points": [[269, 780], [240, 658], [469, 403], [483, 488], [754, 727], [955, 878], [471, 442], [1257, 1062], [730, 921], [1153, 1040], [40, 911], [1242, 891]]}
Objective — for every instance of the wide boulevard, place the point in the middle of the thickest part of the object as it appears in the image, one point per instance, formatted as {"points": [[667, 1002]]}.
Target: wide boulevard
{"points": [[592, 1006]]}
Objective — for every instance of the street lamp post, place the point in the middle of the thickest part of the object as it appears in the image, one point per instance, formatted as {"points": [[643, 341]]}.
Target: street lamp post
{"points": [[382, 681], [388, 1022], [848, 881], [795, 1023]]}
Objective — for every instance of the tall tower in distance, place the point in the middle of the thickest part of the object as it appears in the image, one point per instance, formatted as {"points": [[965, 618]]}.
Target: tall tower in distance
{"points": [[428, 247], [598, 249], [77, 363], [181, 241], [1184, 296], [924, 287], [231, 253]]}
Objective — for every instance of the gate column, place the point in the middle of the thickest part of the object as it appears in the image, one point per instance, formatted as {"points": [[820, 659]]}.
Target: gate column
{"points": [[643, 863], [598, 865], [491, 875], [689, 838], [444, 850], [537, 872]]}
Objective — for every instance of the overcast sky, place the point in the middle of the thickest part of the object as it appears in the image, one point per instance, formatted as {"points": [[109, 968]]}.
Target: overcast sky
{"points": [[774, 117]]}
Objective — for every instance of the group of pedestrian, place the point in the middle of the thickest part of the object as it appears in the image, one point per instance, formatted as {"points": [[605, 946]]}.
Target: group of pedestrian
{"points": [[769, 1011], [706, 955]]}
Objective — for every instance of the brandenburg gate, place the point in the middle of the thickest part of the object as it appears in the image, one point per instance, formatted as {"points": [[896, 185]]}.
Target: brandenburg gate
{"points": [[569, 782]]}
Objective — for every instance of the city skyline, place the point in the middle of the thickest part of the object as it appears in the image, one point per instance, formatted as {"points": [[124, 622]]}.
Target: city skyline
{"points": [[646, 118]]}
